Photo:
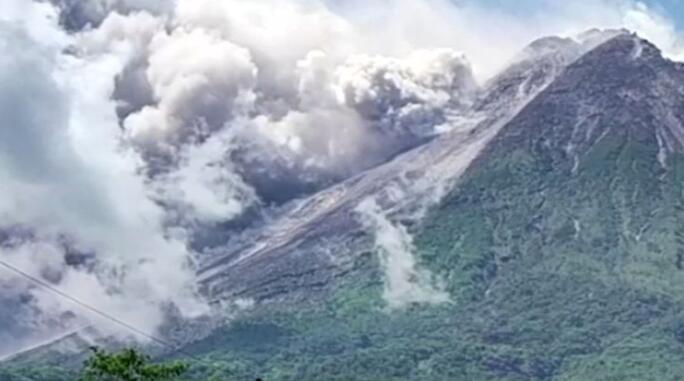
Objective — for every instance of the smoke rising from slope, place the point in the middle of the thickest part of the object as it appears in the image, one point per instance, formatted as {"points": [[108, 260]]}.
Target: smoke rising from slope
{"points": [[405, 281], [128, 123]]}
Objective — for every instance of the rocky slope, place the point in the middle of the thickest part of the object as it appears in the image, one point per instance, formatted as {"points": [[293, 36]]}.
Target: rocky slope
{"points": [[309, 240]]}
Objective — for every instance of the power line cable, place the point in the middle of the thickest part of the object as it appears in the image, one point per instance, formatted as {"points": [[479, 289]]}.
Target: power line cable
{"points": [[90, 308]]}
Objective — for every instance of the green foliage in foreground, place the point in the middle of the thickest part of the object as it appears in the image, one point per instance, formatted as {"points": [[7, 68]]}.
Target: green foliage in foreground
{"points": [[124, 365], [128, 365]]}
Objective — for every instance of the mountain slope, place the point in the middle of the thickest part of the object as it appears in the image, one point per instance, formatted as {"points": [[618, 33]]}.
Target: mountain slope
{"points": [[300, 237], [557, 234], [560, 246], [568, 232]]}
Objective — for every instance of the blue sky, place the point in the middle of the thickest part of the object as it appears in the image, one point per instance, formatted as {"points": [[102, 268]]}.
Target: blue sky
{"points": [[672, 9], [491, 31]]}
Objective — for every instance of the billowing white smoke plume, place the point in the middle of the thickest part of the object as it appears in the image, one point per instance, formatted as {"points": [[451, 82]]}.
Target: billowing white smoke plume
{"points": [[210, 81], [290, 85], [128, 124], [405, 281], [73, 190]]}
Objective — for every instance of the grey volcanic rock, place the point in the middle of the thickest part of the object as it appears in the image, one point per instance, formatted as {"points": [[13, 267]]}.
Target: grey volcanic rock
{"points": [[625, 79]]}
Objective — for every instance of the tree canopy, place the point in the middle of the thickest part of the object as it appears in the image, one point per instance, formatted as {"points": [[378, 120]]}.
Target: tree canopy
{"points": [[128, 365]]}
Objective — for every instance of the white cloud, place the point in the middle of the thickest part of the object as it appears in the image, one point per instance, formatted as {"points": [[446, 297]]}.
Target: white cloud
{"points": [[65, 173], [199, 82], [83, 14], [655, 28], [205, 187], [490, 36], [407, 96]]}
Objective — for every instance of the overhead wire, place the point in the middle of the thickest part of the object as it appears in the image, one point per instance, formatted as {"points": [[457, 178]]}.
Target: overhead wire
{"points": [[90, 308]]}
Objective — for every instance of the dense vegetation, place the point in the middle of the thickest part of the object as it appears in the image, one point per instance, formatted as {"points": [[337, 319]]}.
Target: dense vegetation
{"points": [[126, 365]]}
